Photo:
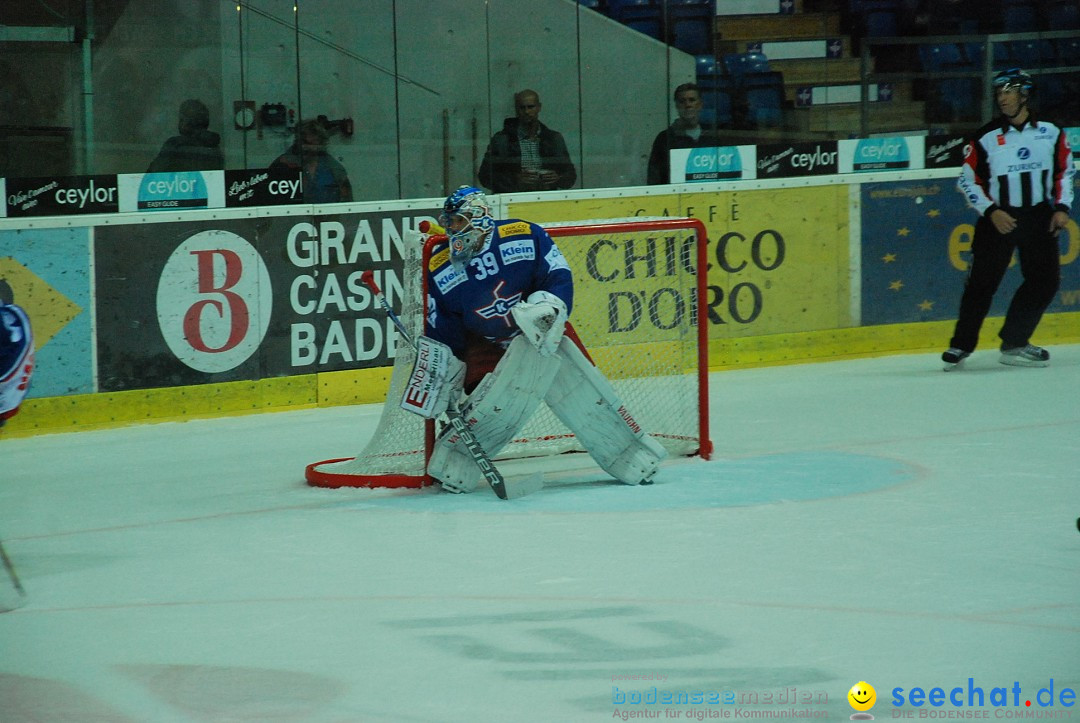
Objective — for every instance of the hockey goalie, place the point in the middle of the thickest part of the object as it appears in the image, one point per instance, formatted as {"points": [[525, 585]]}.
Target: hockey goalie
{"points": [[16, 359], [499, 296]]}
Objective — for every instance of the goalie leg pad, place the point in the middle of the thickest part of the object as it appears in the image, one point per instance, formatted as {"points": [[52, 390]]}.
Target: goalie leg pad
{"points": [[497, 409], [584, 400]]}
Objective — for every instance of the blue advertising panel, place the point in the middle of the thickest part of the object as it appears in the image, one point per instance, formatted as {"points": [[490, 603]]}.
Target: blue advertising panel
{"points": [[916, 250], [47, 272]]}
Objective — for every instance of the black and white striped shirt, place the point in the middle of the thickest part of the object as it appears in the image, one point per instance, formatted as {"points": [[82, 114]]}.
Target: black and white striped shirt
{"points": [[1009, 167]]}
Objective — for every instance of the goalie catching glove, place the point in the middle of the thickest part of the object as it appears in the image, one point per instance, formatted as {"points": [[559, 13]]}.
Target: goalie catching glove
{"points": [[542, 319], [437, 379]]}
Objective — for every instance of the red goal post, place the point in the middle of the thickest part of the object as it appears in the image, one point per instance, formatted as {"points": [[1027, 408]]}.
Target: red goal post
{"points": [[639, 311]]}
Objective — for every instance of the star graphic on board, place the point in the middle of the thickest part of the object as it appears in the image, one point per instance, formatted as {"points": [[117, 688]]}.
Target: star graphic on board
{"points": [[888, 258], [896, 285], [933, 213], [926, 305], [903, 231]]}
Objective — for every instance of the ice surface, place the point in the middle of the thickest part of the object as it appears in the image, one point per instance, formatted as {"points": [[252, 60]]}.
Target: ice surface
{"points": [[873, 520]]}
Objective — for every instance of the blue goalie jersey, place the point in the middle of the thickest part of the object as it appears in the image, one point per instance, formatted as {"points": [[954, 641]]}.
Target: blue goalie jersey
{"points": [[518, 259]]}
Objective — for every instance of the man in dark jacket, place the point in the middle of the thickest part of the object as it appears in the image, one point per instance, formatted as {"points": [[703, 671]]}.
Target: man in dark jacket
{"points": [[526, 155], [685, 132], [325, 179], [196, 148]]}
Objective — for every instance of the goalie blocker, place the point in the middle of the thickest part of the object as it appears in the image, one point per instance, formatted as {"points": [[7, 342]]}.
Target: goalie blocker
{"points": [[576, 392]]}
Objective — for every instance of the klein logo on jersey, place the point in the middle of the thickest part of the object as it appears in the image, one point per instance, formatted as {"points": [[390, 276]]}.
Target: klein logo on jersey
{"points": [[514, 229], [449, 278], [500, 306], [517, 251]]}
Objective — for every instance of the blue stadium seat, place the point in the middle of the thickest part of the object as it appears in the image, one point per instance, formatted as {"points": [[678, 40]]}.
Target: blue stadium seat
{"points": [[1052, 91], [883, 23], [942, 56], [1068, 51], [1027, 53], [763, 96], [706, 64], [645, 16], [1062, 15], [1019, 16], [955, 99], [718, 100], [739, 65], [615, 7], [691, 25]]}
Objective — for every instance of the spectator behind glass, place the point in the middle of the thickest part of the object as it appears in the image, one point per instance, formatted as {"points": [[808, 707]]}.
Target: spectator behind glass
{"points": [[685, 132], [196, 148], [325, 180], [526, 155]]}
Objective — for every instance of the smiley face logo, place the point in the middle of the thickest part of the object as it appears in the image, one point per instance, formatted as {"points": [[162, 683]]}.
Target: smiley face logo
{"points": [[862, 696]]}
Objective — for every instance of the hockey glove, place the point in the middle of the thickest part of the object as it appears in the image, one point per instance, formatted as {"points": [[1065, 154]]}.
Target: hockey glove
{"points": [[437, 378], [542, 319]]}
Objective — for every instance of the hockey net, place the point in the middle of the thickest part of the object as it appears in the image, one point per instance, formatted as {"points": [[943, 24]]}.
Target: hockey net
{"points": [[637, 285]]}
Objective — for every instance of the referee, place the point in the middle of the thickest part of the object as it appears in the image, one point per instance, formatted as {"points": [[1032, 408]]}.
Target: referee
{"points": [[1018, 176]]}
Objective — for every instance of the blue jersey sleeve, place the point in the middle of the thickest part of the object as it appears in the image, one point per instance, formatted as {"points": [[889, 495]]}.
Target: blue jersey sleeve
{"points": [[441, 322], [552, 273]]}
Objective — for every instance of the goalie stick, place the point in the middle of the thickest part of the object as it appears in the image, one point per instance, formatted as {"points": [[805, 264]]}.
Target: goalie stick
{"points": [[453, 414]]}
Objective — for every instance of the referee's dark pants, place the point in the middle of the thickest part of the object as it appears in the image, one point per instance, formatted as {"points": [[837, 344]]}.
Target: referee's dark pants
{"points": [[991, 252]]}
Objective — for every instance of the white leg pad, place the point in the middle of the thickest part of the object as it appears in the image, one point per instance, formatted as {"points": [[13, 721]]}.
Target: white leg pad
{"points": [[584, 400], [496, 411]]}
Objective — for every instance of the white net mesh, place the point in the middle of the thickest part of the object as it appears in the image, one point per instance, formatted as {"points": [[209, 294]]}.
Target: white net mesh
{"points": [[636, 287]]}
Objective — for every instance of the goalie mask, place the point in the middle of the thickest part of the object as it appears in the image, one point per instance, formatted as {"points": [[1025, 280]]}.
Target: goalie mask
{"points": [[468, 222]]}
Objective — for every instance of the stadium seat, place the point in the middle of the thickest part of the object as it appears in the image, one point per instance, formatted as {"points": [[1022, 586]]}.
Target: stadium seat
{"points": [[718, 100], [739, 65], [645, 16], [707, 65], [690, 26], [1019, 16], [942, 56], [1062, 15], [882, 23], [763, 96], [1068, 51]]}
